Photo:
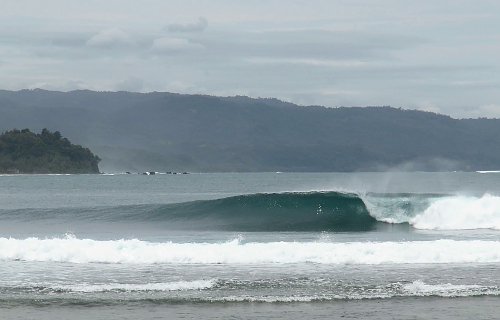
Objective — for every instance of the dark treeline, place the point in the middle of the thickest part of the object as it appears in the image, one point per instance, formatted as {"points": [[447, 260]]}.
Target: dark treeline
{"points": [[22, 151], [173, 132]]}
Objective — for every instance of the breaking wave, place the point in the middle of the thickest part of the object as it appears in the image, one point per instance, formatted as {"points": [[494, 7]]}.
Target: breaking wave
{"points": [[73, 250], [459, 213], [292, 211]]}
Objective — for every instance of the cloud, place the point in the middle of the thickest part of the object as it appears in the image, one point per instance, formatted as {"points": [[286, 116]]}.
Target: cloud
{"points": [[181, 87], [436, 56], [424, 164], [476, 83], [63, 86], [308, 62], [199, 26], [427, 106], [489, 110], [171, 45], [132, 84], [313, 47], [110, 38], [333, 92]]}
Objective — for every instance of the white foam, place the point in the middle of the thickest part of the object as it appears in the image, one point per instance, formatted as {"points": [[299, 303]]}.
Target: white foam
{"points": [[275, 299], [168, 286], [419, 288], [73, 250], [392, 210], [416, 289], [460, 213]]}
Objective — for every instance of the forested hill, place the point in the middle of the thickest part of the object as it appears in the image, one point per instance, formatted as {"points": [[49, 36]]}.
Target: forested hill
{"points": [[173, 132], [22, 151]]}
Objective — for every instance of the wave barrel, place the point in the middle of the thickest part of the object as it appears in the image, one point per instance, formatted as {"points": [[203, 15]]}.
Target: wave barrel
{"points": [[294, 211]]}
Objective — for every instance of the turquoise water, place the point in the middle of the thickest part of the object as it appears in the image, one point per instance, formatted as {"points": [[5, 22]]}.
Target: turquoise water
{"points": [[267, 245]]}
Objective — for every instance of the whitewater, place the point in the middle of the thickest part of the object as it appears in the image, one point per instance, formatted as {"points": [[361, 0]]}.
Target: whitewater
{"points": [[304, 245], [74, 250]]}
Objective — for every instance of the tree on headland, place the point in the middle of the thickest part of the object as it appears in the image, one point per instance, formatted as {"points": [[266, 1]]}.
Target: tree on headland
{"points": [[22, 151]]}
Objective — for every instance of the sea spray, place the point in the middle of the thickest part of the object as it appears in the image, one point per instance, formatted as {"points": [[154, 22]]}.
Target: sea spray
{"points": [[398, 207]]}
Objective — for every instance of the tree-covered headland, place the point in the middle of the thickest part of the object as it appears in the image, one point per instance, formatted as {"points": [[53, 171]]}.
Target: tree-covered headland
{"points": [[22, 151]]}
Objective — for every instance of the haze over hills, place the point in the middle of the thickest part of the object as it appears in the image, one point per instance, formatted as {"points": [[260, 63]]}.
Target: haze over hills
{"points": [[172, 132]]}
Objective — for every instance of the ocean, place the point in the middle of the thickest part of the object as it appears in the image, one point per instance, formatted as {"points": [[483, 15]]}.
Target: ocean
{"points": [[250, 246]]}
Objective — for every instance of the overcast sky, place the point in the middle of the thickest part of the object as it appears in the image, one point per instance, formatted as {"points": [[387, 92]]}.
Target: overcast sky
{"points": [[436, 55]]}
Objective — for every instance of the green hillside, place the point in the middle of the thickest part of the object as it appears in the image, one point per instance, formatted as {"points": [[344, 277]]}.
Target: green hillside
{"points": [[163, 131]]}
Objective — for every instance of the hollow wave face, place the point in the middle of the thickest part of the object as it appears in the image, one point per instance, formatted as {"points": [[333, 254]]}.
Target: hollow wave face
{"points": [[309, 211], [266, 212]]}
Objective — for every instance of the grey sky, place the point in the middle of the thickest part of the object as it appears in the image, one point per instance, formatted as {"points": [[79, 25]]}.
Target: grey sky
{"points": [[435, 55]]}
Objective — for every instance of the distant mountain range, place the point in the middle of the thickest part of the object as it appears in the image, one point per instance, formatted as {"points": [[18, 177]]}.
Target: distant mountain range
{"points": [[172, 132]]}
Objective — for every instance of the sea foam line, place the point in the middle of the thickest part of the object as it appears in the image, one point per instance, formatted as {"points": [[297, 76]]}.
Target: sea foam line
{"points": [[167, 286], [415, 289], [75, 250], [419, 288]]}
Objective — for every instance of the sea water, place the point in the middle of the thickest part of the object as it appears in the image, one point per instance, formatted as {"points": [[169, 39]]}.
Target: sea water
{"points": [[250, 246]]}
